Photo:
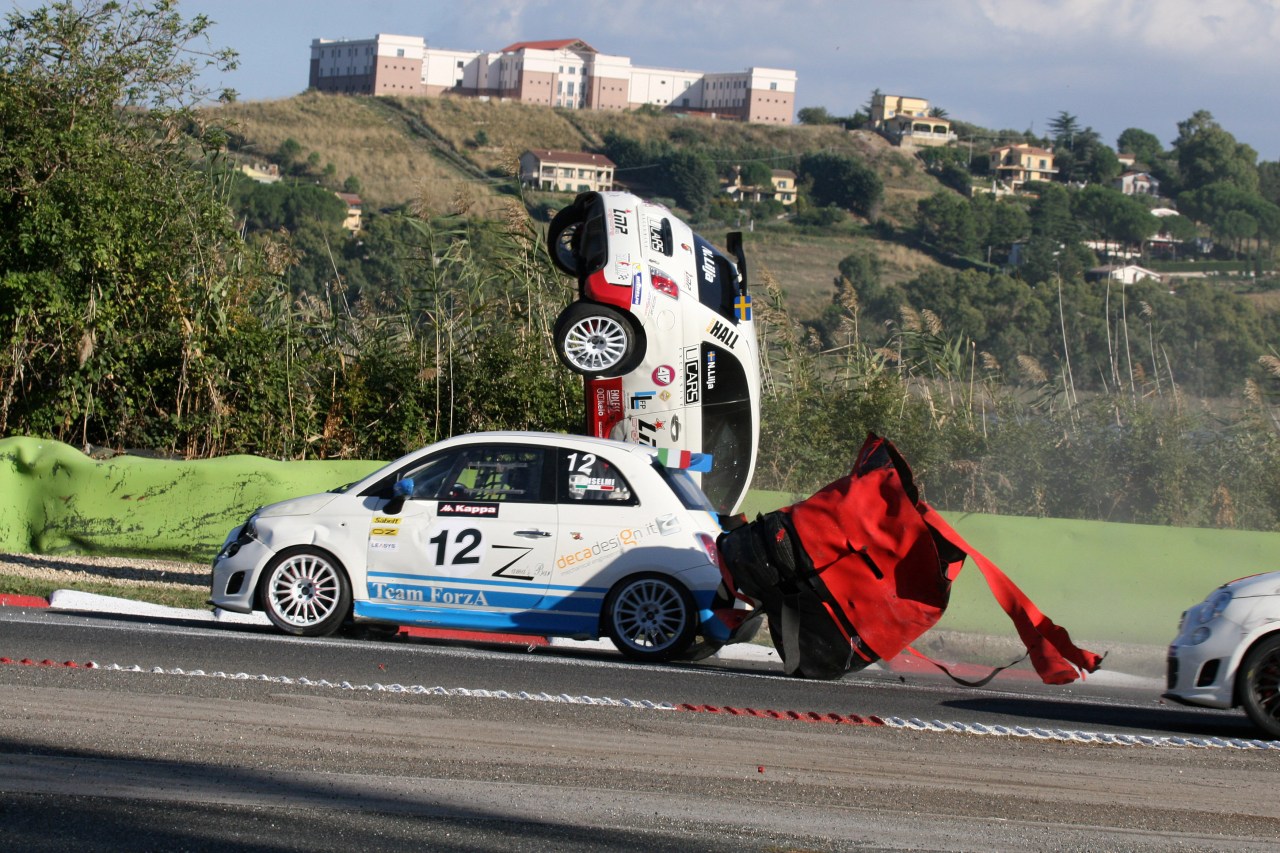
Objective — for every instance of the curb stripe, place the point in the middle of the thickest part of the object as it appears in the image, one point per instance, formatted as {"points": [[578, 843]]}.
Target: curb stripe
{"points": [[913, 724], [12, 600]]}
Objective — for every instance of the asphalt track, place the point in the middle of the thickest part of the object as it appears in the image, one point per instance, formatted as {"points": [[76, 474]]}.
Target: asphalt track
{"points": [[188, 733]]}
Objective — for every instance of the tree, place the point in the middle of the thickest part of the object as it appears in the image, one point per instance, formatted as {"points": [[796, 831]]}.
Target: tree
{"points": [[946, 221], [116, 250], [843, 181], [690, 179], [1269, 180], [288, 155], [815, 116], [1064, 126], [1112, 215], [1208, 154], [1145, 147], [756, 174]]}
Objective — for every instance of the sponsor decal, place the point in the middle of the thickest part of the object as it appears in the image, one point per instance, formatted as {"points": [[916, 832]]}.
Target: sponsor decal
{"points": [[624, 538], [473, 510], [640, 399], [643, 433], [428, 595], [384, 531], [507, 571], [708, 264], [742, 308], [691, 369], [637, 288], [663, 375], [664, 284], [674, 429], [711, 369], [664, 395], [385, 519], [668, 524], [619, 222], [383, 545], [583, 483], [660, 239], [659, 424], [575, 535], [608, 406], [725, 334]]}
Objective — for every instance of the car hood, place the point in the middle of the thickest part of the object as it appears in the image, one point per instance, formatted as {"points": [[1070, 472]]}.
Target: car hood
{"points": [[298, 506], [1256, 585]]}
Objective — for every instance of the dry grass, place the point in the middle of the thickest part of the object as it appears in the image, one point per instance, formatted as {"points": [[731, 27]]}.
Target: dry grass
{"points": [[806, 266], [392, 165]]}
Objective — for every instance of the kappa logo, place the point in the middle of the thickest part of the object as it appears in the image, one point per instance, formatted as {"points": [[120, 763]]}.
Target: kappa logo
{"points": [[469, 510]]}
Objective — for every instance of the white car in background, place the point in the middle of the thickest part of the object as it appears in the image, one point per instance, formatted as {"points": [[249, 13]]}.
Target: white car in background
{"points": [[663, 335], [1227, 652], [529, 533]]}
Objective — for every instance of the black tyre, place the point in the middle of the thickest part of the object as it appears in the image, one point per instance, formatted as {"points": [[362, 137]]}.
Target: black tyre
{"points": [[562, 238], [596, 340], [650, 618], [1259, 685], [306, 592]]}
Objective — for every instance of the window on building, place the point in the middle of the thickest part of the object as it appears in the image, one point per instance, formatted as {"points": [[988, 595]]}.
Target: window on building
{"points": [[399, 51], [773, 85]]}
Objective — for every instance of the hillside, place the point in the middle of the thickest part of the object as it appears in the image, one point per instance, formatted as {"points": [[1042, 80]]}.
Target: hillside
{"points": [[443, 154]]}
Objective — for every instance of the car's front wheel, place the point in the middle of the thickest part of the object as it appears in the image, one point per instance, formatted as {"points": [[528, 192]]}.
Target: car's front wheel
{"points": [[650, 618], [1260, 685], [306, 592], [595, 340]]}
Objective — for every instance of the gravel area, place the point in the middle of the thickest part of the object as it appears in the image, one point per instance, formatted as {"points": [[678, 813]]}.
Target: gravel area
{"points": [[162, 573]]}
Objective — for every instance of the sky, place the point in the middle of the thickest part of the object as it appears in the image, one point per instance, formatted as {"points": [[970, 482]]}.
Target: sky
{"points": [[1000, 64]]}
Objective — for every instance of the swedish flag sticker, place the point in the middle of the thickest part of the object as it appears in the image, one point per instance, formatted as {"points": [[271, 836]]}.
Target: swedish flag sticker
{"points": [[742, 308]]}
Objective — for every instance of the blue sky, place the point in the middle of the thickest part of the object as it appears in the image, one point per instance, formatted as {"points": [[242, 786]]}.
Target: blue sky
{"points": [[997, 63]]}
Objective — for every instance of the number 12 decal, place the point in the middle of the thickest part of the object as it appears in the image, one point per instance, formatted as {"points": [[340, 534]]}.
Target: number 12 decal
{"points": [[457, 553]]}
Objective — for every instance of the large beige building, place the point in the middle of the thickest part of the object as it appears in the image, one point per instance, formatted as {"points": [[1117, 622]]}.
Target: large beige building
{"points": [[566, 73]]}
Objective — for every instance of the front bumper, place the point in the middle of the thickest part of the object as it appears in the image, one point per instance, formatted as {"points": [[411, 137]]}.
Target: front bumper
{"points": [[236, 572], [1204, 673]]}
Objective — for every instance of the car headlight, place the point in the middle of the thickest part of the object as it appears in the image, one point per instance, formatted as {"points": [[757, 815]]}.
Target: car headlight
{"points": [[1214, 605], [1198, 636], [248, 532]]}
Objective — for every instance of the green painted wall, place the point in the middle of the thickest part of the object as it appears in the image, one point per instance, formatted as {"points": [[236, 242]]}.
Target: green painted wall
{"points": [[1113, 582]]}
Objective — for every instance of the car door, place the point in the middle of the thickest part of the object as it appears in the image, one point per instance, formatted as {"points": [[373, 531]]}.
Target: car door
{"points": [[477, 532]]}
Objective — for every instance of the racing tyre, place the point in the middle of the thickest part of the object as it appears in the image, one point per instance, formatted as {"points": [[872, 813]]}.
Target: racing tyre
{"points": [[1260, 685], [650, 618], [561, 235], [305, 592], [596, 340]]}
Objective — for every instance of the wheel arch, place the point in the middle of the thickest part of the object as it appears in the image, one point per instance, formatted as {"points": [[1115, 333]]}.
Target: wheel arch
{"points": [[1237, 661]]}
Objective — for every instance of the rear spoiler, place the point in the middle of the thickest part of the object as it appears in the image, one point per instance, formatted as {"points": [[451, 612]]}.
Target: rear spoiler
{"points": [[733, 242]]}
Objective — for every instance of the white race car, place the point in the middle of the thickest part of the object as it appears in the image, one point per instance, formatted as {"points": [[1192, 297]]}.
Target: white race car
{"points": [[663, 335], [1227, 652], [530, 533]]}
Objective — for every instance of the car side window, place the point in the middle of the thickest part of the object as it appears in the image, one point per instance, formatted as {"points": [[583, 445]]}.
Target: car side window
{"points": [[486, 472], [590, 478]]}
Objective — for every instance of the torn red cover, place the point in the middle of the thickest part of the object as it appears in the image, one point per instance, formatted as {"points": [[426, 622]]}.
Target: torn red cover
{"points": [[887, 560]]}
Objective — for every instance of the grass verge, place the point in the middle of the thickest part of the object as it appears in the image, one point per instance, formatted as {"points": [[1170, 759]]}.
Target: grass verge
{"points": [[166, 594]]}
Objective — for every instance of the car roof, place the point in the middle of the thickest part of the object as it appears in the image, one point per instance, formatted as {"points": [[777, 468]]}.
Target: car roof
{"points": [[558, 438]]}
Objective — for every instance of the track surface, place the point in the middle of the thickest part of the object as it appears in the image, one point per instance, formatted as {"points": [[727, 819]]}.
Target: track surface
{"points": [[286, 744]]}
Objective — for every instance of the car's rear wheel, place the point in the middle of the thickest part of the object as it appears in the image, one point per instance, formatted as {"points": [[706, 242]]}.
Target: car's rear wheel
{"points": [[561, 235], [650, 618], [1260, 685], [595, 340], [306, 592]]}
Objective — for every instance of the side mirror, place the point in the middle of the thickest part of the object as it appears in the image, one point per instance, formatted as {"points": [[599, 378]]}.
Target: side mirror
{"points": [[403, 488]]}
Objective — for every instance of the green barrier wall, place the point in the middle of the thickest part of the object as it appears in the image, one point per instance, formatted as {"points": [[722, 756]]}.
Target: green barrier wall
{"points": [[1102, 581], [54, 499]]}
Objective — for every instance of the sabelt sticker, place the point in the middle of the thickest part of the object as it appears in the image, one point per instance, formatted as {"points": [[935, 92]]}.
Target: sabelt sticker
{"points": [[469, 510], [664, 375], [385, 519]]}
